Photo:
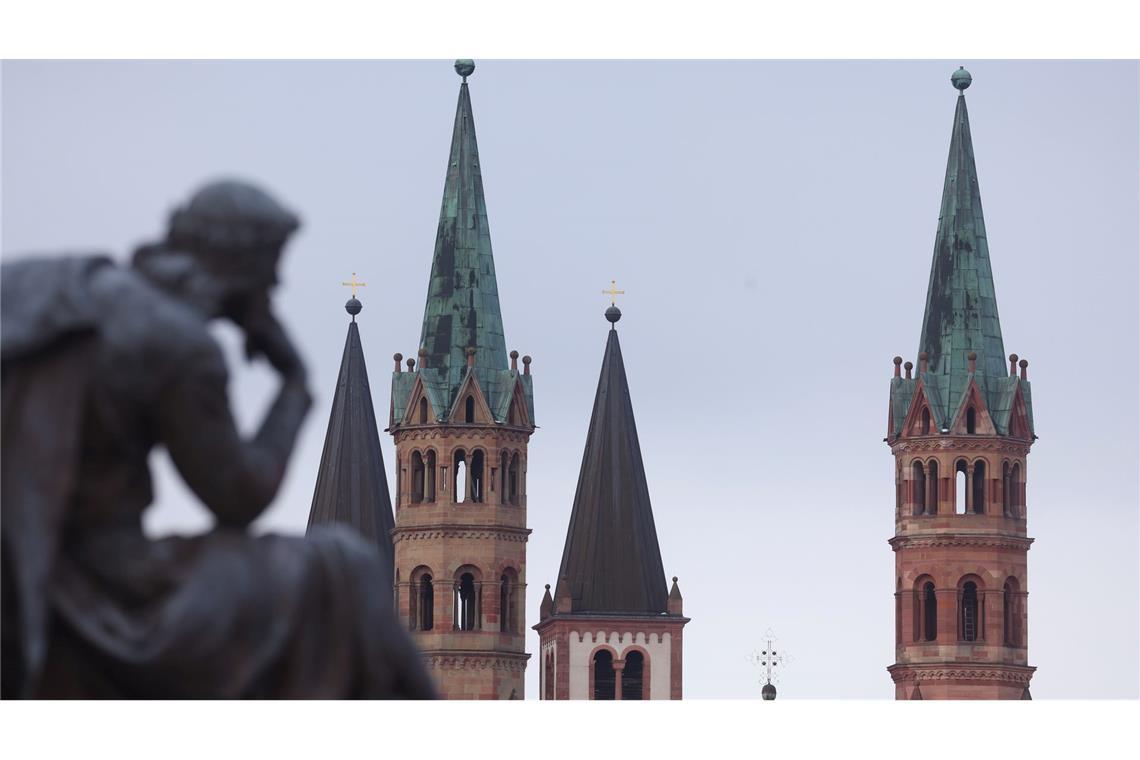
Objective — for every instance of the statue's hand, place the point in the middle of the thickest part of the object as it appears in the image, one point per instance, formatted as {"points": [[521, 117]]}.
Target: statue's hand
{"points": [[266, 336]]}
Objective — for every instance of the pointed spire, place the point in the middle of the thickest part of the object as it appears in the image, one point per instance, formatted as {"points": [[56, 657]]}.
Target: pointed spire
{"points": [[462, 307], [352, 487], [546, 608], [961, 306], [611, 560], [675, 600]]}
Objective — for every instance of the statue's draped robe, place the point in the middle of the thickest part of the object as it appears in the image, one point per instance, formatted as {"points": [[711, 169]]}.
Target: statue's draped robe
{"points": [[99, 367]]}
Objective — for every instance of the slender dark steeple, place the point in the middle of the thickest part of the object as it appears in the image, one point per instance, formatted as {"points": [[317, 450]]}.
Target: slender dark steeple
{"points": [[612, 562], [351, 485]]}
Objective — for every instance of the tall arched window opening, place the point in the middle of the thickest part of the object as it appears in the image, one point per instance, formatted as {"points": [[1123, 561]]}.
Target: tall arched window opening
{"points": [[429, 477], [466, 614], [477, 462], [1015, 501], [969, 614], [979, 487], [423, 411], [971, 421], [469, 409], [424, 603], [633, 676], [1005, 489], [932, 489], [417, 477], [918, 478], [459, 484], [508, 612], [513, 479], [929, 612], [961, 487], [603, 674], [925, 421], [548, 676], [1007, 615]]}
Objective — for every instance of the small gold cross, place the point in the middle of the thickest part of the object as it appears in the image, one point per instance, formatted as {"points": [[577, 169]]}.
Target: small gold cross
{"points": [[354, 284], [613, 292]]}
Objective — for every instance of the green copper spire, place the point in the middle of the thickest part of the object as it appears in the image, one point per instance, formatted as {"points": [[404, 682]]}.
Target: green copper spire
{"points": [[462, 308], [961, 306]]}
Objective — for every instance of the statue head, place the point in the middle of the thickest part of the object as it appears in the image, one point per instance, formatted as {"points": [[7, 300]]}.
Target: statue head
{"points": [[235, 231]]}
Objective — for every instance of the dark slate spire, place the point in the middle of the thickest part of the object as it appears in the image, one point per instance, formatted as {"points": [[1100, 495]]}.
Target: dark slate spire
{"points": [[351, 485], [611, 562], [961, 305], [462, 309]]}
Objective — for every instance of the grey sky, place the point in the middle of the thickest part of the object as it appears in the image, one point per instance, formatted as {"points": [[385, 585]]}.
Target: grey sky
{"points": [[772, 223]]}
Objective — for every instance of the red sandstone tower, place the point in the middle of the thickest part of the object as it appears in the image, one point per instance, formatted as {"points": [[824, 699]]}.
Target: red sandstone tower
{"points": [[960, 431], [611, 631], [461, 422]]}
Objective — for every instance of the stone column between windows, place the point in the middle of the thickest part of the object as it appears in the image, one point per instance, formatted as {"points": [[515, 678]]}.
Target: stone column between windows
{"points": [[969, 489], [619, 666]]}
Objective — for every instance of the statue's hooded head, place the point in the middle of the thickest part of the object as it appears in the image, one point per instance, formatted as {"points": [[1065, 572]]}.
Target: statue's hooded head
{"points": [[236, 231]]}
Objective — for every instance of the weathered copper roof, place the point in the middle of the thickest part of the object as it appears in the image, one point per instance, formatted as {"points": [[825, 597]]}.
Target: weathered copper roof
{"points": [[462, 308], [611, 562], [351, 485], [961, 304]]}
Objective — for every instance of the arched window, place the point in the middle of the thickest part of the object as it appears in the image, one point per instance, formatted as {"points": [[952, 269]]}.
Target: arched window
{"points": [[429, 477], [466, 612], [925, 421], [477, 476], [979, 487], [1015, 503], [504, 478], [932, 489], [633, 676], [513, 479], [423, 411], [1007, 615], [423, 603], [1005, 489], [603, 674], [968, 617], [918, 481], [469, 409], [929, 612], [459, 484], [960, 487], [548, 676], [417, 477], [971, 421]]}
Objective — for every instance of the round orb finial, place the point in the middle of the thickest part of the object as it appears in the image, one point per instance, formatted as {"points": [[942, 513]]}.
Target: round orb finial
{"points": [[674, 579], [353, 306], [768, 692], [961, 79], [613, 314], [464, 67]]}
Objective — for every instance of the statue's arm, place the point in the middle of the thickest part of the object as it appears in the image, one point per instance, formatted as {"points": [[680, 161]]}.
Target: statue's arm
{"points": [[235, 478]]}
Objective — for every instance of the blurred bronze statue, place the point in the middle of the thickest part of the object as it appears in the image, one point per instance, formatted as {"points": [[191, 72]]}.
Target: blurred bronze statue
{"points": [[100, 364]]}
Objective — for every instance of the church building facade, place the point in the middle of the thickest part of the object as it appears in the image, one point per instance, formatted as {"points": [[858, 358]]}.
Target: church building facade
{"points": [[960, 430]]}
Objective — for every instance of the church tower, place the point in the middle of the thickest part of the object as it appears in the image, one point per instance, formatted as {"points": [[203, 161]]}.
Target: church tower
{"points": [[611, 631], [960, 430], [461, 420], [351, 485]]}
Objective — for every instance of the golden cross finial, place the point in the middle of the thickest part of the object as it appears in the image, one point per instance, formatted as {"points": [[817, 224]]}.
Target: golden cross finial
{"points": [[354, 284], [613, 292]]}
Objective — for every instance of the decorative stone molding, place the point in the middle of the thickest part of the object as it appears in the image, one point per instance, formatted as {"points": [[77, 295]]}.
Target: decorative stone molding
{"points": [[1013, 674], [476, 661], [1004, 445], [463, 432], [436, 532], [988, 541]]}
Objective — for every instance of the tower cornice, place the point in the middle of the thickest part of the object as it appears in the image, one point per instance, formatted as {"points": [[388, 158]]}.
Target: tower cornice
{"points": [[942, 538], [1003, 444]]}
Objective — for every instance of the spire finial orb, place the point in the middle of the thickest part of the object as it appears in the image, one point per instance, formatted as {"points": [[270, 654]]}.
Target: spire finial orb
{"points": [[613, 314], [961, 79], [353, 307], [464, 67]]}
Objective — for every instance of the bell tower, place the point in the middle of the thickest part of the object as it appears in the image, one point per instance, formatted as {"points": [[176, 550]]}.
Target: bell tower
{"points": [[461, 418], [960, 430]]}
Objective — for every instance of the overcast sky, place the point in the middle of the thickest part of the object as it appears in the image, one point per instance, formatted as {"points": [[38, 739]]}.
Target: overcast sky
{"points": [[772, 224]]}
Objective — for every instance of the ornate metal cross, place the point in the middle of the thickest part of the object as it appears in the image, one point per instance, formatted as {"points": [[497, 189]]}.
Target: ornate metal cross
{"points": [[769, 658], [354, 284], [613, 292]]}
